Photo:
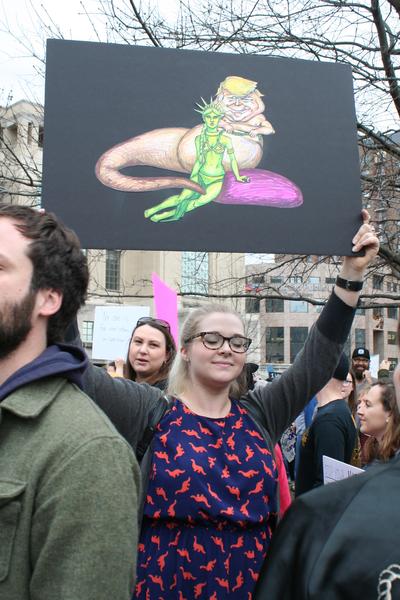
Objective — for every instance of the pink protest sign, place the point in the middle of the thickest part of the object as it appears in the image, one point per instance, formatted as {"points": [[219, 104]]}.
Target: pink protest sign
{"points": [[166, 304]]}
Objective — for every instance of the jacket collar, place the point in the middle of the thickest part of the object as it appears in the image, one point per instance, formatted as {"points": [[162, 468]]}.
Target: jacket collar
{"points": [[29, 401]]}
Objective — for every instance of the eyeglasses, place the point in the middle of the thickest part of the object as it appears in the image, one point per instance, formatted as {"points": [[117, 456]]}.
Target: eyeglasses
{"points": [[150, 320], [214, 340]]}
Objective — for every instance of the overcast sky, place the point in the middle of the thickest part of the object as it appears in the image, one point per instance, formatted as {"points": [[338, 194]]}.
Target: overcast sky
{"points": [[20, 30]]}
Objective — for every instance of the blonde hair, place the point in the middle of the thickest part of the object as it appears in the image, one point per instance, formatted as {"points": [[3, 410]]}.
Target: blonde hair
{"points": [[238, 86], [179, 375]]}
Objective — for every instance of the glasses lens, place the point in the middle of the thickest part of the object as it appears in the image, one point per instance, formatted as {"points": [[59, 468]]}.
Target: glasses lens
{"points": [[212, 340], [239, 344]]}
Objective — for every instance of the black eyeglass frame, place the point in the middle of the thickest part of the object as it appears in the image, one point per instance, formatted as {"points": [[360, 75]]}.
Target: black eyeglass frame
{"points": [[224, 339], [150, 320]]}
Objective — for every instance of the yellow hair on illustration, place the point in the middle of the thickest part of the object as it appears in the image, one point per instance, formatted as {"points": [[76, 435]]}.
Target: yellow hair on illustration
{"points": [[238, 86]]}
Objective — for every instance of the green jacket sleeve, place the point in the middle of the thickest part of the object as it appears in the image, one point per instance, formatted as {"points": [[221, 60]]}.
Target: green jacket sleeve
{"points": [[84, 532]]}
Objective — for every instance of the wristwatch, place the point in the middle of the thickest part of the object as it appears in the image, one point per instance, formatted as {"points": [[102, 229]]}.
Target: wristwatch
{"points": [[352, 286]]}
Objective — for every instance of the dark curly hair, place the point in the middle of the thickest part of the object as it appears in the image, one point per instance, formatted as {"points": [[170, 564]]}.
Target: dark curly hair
{"points": [[58, 262]]}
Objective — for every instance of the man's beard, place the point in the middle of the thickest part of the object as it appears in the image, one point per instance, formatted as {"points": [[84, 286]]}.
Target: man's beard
{"points": [[15, 323]]}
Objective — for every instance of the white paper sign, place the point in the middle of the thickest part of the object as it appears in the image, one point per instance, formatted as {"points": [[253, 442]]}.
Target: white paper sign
{"points": [[112, 330], [374, 365], [335, 470]]}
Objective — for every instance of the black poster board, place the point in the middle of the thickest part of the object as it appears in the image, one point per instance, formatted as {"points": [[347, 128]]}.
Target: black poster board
{"points": [[140, 113]]}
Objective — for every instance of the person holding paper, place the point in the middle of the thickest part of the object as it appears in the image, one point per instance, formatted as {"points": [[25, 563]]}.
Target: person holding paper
{"points": [[332, 433], [341, 540], [209, 504], [151, 352]]}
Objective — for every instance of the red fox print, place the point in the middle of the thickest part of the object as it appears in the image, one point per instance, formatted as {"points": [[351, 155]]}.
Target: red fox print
{"points": [[140, 547], [197, 449], [239, 582], [191, 433], [161, 561], [243, 508], [266, 499], [227, 564], [225, 473], [258, 488], [148, 594], [214, 596], [209, 566], [146, 564], [201, 498], [197, 468], [249, 453], [149, 500], [233, 458], [234, 491], [220, 423], [254, 434], [198, 547], [249, 474], [267, 469], [228, 511], [212, 493], [239, 543], [184, 487], [163, 456], [170, 510], [174, 581], [211, 461], [186, 410], [218, 542], [259, 545], [238, 424], [179, 451], [217, 444], [242, 410], [161, 492], [177, 422], [175, 541], [231, 441], [254, 575], [250, 554], [164, 437], [264, 451], [175, 472], [157, 514], [223, 583], [204, 430], [139, 585], [181, 596], [183, 553], [157, 579], [187, 576], [198, 589], [153, 471], [156, 540]]}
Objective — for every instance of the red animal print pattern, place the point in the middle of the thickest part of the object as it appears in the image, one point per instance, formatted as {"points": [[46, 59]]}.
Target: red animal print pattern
{"points": [[209, 508]]}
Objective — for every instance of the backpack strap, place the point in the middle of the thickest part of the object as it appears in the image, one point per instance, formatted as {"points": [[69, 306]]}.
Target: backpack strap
{"points": [[156, 414]]}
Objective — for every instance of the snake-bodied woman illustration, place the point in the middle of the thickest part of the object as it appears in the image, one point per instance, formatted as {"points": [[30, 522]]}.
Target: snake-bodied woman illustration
{"points": [[208, 170]]}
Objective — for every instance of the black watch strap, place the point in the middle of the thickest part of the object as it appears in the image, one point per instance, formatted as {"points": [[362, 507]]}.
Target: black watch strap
{"points": [[352, 286]]}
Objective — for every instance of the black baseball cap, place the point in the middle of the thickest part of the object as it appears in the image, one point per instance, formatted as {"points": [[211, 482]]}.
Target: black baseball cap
{"points": [[361, 353]]}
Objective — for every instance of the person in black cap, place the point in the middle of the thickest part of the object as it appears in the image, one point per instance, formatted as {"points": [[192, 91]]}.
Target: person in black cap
{"points": [[360, 361], [332, 433]]}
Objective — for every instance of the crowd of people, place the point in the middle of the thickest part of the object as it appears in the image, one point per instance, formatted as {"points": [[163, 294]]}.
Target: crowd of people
{"points": [[200, 519]]}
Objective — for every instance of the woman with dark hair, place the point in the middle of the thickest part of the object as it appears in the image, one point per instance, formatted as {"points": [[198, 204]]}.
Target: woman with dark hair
{"points": [[350, 392], [380, 419], [151, 352]]}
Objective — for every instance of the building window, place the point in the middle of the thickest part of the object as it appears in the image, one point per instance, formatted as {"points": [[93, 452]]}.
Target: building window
{"points": [[274, 305], [392, 312], [41, 137], [194, 278], [391, 286], [298, 306], [274, 351], [113, 269], [359, 338], [360, 311], [314, 280], [392, 338], [252, 305], [330, 280], [296, 279], [87, 333], [377, 282], [298, 336], [276, 279], [254, 283], [30, 129]]}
